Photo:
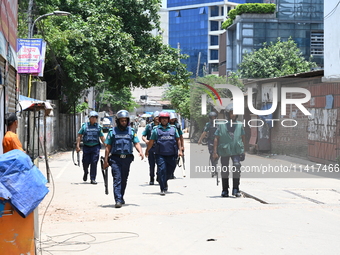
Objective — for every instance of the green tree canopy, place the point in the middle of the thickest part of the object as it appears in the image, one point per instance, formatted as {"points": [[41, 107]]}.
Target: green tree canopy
{"points": [[107, 40], [274, 60]]}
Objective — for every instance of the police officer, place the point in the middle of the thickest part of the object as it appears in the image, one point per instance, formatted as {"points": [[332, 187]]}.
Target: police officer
{"points": [[167, 144], [146, 137], [229, 144], [210, 130], [120, 141], [91, 132], [174, 121]]}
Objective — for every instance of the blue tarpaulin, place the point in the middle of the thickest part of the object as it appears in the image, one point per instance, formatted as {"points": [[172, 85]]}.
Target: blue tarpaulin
{"points": [[21, 182]]}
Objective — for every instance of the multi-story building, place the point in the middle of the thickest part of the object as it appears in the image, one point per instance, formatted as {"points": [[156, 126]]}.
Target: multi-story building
{"points": [[300, 19], [194, 28]]}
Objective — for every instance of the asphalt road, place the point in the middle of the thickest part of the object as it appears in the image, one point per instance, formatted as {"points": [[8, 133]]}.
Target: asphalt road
{"points": [[290, 214]]}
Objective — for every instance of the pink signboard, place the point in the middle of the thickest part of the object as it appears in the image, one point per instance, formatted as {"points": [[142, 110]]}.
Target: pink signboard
{"points": [[30, 55]]}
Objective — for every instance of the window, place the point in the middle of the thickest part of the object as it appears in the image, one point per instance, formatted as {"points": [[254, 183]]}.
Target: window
{"points": [[177, 14], [214, 11], [213, 25], [202, 10], [213, 40], [316, 43], [213, 54]]}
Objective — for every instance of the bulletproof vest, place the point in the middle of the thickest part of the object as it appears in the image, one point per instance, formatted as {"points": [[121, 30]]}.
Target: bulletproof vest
{"points": [[211, 132], [166, 142], [91, 134], [123, 141], [149, 130]]}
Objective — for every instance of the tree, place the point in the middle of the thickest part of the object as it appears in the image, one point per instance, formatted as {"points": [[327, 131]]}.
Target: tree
{"points": [[274, 60], [107, 40]]}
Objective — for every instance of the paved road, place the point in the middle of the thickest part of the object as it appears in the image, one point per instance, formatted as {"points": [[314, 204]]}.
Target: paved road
{"points": [[295, 215]]}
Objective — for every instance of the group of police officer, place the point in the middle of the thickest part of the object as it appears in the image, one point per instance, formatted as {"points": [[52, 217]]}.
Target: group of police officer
{"points": [[163, 147], [164, 140]]}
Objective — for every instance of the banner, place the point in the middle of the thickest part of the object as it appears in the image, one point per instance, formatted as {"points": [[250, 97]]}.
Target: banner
{"points": [[30, 55]]}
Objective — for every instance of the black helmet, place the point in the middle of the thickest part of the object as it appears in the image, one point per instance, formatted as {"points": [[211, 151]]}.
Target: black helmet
{"points": [[122, 114], [212, 114]]}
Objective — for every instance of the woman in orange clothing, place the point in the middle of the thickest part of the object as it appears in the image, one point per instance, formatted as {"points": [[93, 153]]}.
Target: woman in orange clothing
{"points": [[11, 140]]}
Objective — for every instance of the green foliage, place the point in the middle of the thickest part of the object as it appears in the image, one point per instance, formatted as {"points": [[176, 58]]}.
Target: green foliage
{"points": [[107, 40], [247, 8], [274, 60], [118, 99], [81, 107]]}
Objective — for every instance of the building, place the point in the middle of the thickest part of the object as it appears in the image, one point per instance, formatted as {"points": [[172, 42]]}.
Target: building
{"points": [[301, 20], [8, 63], [194, 28]]}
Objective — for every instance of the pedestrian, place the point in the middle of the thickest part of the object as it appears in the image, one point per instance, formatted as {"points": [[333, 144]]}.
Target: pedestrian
{"points": [[209, 130], [229, 144], [11, 140], [119, 154], [146, 137], [91, 132], [168, 146], [174, 121]]}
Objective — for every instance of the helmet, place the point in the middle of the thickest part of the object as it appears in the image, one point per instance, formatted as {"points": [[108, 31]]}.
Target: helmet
{"points": [[212, 114], [173, 115], [229, 107], [122, 114], [164, 115], [156, 114], [93, 114]]}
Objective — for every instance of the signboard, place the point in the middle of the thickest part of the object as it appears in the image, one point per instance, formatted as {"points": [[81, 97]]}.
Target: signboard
{"points": [[30, 53]]}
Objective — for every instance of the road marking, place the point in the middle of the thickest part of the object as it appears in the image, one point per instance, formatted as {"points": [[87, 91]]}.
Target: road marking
{"points": [[62, 170]]}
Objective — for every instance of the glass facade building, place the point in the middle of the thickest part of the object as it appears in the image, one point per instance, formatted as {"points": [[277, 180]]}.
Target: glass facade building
{"points": [[300, 19], [194, 28]]}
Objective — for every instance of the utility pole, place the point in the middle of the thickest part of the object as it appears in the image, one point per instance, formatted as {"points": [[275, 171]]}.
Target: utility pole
{"points": [[30, 18]]}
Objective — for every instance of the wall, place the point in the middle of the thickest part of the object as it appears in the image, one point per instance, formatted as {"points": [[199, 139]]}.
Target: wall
{"points": [[331, 41]]}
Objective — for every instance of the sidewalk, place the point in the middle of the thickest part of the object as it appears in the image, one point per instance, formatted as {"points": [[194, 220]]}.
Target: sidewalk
{"points": [[276, 215]]}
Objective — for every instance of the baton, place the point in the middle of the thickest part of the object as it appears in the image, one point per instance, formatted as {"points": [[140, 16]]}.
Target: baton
{"points": [[104, 172], [183, 169]]}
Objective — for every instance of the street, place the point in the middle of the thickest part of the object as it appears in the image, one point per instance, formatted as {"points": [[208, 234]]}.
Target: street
{"points": [[274, 215]]}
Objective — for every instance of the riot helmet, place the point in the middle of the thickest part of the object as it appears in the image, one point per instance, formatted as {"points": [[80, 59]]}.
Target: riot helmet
{"points": [[155, 114], [93, 114], [164, 115], [212, 115], [173, 115], [228, 110], [121, 115]]}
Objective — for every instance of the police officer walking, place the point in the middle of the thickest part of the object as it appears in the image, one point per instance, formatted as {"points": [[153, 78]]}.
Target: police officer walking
{"points": [[210, 130], [167, 146], [174, 122], [91, 132], [229, 144], [119, 154], [146, 137]]}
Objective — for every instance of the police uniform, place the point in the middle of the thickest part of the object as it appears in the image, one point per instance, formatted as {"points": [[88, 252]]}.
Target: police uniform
{"points": [[230, 147], [165, 152], [121, 142], [151, 159], [91, 147], [180, 133]]}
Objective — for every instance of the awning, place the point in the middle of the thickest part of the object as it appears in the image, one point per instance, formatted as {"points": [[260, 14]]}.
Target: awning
{"points": [[31, 104]]}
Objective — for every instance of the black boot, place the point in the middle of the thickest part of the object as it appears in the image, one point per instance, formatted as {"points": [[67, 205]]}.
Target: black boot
{"points": [[152, 181], [225, 187]]}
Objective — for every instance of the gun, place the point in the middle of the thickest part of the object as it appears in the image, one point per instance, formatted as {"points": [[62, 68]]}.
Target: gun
{"points": [[104, 172]]}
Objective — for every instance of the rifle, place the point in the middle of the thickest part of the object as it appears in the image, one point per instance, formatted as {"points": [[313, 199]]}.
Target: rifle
{"points": [[104, 172]]}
